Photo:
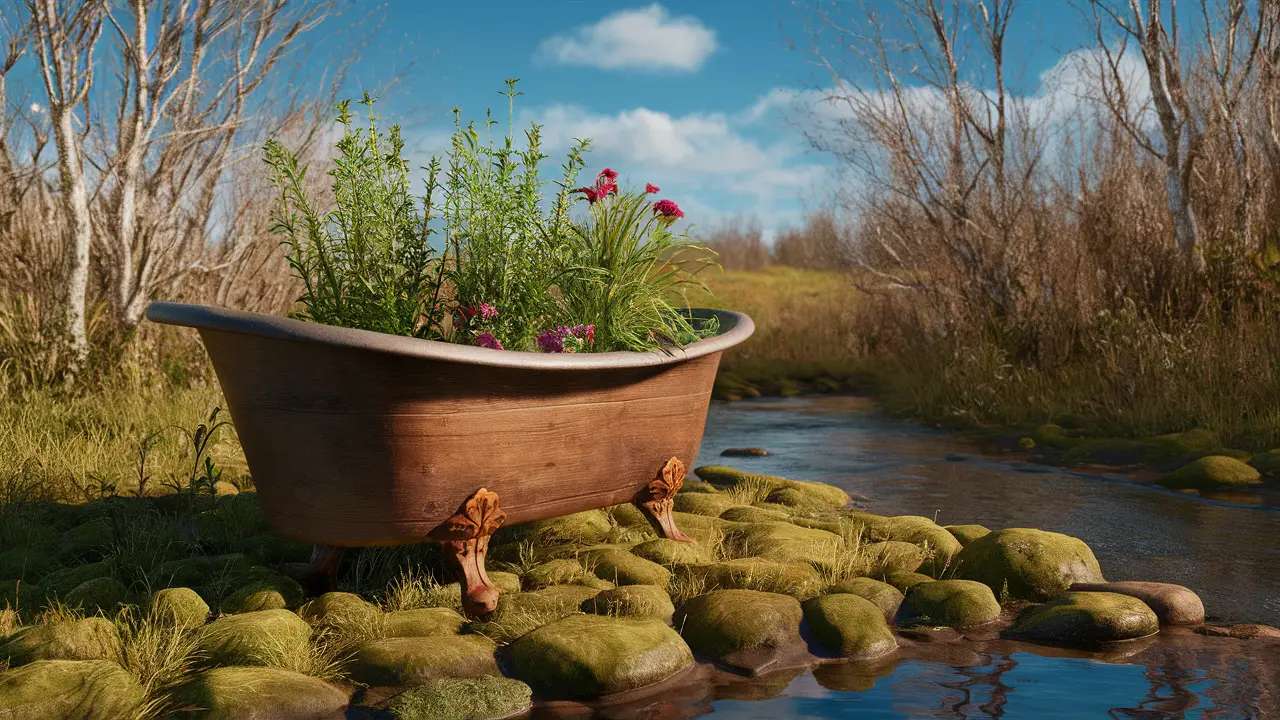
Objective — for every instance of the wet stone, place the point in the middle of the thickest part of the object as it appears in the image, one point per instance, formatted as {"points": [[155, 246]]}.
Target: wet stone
{"points": [[1172, 604], [1085, 619]]}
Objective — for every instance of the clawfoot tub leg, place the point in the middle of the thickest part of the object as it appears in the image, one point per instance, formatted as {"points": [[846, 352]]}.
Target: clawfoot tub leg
{"points": [[320, 575], [657, 500], [464, 540]]}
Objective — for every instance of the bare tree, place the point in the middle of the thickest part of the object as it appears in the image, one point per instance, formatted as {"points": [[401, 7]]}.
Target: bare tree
{"points": [[66, 35]]}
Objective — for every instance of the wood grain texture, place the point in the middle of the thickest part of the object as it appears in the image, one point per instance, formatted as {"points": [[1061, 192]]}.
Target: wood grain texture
{"points": [[355, 447]]}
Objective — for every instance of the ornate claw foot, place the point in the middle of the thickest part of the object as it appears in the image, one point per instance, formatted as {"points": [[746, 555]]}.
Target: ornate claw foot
{"points": [[320, 575], [659, 497], [464, 538]]}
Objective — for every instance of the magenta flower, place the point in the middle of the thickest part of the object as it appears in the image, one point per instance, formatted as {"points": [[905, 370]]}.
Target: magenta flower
{"points": [[487, 340], [651, 189], [667, 210], [487, 311], [607, 174], [550, 341]]}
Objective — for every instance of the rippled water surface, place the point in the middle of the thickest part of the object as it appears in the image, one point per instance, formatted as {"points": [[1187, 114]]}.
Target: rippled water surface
{"points": [[1228, 554]]}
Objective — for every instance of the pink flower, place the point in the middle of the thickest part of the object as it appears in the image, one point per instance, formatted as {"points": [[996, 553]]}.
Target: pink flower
{"points": [[651, 189], [607, 189], [607, 174], [667, 209], [591, 333], [487, 311], [487, 340]]}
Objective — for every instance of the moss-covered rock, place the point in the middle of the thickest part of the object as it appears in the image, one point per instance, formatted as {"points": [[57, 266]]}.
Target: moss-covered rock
{"points": [[103, 595], [628, 515], [270, 550], [91, 638], [1267, 463], [824, 496], [519, 614], [178, 607], [1085, 619], [940, 545], [753, 514], [273, 592], [487, 698], [623, 568], [849, 625], [585, 656], [1212, 472], [881, 594], [1181, 446], [262, 637], [583, 528], [648, 602], [422, 622], [949, 603], [60, 582], [700, 527], [1172, 604], [87, 541], [672, 552], [726, 623], [26, 563], [413, 661], [201, 570], [505, 581], [340, 609], [783, 542], [709, 504], [797, 580], [1115, 452], [259, 693], [892, 556], [21, 596], [81, 689], [800, 499], [1053, 436], [966, 534], [554, 572], [904, 581], [1027, 564]]}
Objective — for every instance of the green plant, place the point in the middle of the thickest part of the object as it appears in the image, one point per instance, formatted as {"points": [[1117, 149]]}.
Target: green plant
{"points": [[369, 262]]}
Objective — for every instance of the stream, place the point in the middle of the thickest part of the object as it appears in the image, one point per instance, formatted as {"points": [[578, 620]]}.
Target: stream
{"points": [[1228, 554]]}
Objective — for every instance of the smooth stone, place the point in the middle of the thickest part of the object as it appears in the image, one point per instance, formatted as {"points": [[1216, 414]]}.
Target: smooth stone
{"points": [[744, 628], [1085, 619], [623, 568], [274, 592], [80, 689], [486, 698], [745, 452], [1027, 564], [179, 607], [261, 693], [1241, 631], [103, 595], [553, 572], [949, 603], [340, 609], [1212, 472], [783, 542], [672, 552], [796, 580], [587, 656], [648, 602], [415, 660], [422, 622], [1173, 604], [262, 637], [967, 533], [881, 594], [849, 625], [92, 638], [709, 504]]}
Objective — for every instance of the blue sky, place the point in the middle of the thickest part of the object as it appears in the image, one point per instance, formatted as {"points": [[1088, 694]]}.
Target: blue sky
{"points": [[697, 97]]}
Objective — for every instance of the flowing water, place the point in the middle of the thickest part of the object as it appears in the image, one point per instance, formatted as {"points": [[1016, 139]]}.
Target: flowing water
{"points": [[1229, 554]]}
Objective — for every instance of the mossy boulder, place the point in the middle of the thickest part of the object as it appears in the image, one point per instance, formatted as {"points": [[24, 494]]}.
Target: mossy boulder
{"points": [[672, 552], [1027, 564], [1085, 619], [103, 595], [881, 594], [627, 515], [966, 534], [584, 656], [904, 581], [80, 689], [422, 622], [753, 514], [178, 607], [1053, 436], [22, 596], [949, 603], [262, 637], [273, 592], [583, 528], [648, 602], [259, 693], [892, 556], [783, 542], [26, 563], [1181, 446], [201, 570], [89, 540], [487, 698], [940, 545], [91, 638], [505, 581], [849, 626], [819, 495], [270, 550], [800, 499], [519, 614], [63, 581], [794, 579], [736, 626], [623, 568], [700, 527], [340, 610], [554, 572], [1172, 604], [709, 504], [1212, 472], [413, 660], [1267, 463]]}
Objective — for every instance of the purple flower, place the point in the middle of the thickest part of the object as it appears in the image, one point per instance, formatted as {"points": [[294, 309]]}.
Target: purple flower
{"points": [[487, 340], [487, 311], [551, 341]]}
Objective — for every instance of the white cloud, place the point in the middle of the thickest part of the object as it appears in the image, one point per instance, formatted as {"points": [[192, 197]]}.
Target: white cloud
{"points": [[646, 39]]}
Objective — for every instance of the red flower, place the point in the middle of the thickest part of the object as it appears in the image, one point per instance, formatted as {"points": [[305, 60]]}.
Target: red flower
{"points": [[650, 188], [592, 194], [607, 174], [464, 315], [667, 209], [607, 189]]}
